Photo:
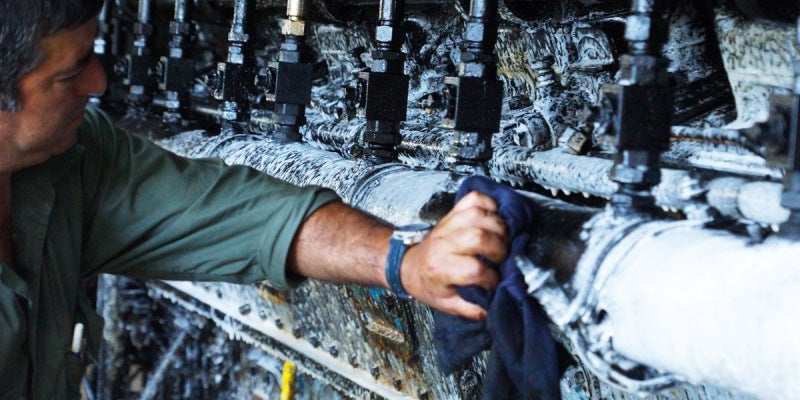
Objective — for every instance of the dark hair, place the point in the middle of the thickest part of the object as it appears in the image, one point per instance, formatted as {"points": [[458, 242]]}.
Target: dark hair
{"points": [[23, 23]]}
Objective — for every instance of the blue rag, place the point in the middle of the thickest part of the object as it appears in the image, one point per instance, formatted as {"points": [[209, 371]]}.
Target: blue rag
{"points": [[524, 358]]}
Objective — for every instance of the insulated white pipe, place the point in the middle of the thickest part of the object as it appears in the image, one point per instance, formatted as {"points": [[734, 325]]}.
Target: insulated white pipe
{"points": [[709, 307]]}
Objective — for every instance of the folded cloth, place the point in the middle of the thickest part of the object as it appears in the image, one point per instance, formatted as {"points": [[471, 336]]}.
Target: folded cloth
{"points": [[524, 358]]}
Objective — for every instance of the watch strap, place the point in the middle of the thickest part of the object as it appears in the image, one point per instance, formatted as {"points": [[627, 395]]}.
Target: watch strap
{"points": [[397, 249]]}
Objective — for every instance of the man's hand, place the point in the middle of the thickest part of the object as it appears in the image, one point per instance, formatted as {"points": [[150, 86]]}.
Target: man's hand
{"points": [[448, 257], [338, 243]]}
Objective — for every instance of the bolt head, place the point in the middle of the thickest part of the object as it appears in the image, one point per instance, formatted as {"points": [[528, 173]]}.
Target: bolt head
{"points": [[353, 360]]}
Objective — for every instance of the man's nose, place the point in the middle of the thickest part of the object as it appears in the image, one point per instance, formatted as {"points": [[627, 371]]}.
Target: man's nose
{"points": [[92, 79]]}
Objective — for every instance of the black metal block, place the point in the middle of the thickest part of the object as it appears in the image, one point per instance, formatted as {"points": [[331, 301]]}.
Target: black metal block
{"points": [[293, 83], [178, 74], [237, 80], [386, 96], [138, 70], [476, 105], [643, 117]]}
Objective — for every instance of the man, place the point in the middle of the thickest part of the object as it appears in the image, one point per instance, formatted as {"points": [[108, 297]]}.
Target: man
{"points": [[78, 198]]}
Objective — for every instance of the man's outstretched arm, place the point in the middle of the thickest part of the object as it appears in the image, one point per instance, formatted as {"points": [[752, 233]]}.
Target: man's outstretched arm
{"points": [[340, 244]]}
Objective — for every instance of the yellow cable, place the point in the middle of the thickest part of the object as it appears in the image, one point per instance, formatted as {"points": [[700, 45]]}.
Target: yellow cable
{"points": [[287, 387]]}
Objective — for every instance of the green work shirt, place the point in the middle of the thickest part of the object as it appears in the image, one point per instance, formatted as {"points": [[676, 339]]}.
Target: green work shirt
{"points": [[116, 203]]}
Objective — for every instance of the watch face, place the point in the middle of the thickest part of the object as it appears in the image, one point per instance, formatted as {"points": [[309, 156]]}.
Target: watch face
{"points": [[411, 234]]}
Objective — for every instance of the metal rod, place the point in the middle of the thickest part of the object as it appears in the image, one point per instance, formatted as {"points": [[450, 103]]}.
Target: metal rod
{"points": [[296, 9], [143, 14], [391, 11], [239, 18], [103, 16], [484, 12], [180, 10], [151, 390]]}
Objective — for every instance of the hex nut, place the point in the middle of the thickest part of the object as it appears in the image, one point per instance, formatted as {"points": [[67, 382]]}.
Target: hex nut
{"points": [[475, 32], [625, 174], [293, 27], [388, 34], [637, 27]]}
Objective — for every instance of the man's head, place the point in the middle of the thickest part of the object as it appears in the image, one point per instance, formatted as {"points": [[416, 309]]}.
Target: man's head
{"points": [[47, 71], [23, 23]]}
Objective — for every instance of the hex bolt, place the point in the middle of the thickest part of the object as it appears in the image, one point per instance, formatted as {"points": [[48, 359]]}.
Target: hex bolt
{"points": [[314, 341], [468, 381], [297, 332], [262, 314], [375, 371], [245, 309], [398, 384], [353, 360], [334, 351], [279, 323]]}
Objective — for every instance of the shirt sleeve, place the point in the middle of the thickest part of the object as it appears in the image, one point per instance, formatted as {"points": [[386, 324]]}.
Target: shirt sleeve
{"points": [[151, 214]]}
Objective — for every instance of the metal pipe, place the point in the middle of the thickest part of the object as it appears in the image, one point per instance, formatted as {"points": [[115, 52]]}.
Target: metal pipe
{"points": [[642, 103], [385, 86], [293, 75], [477, 94], [177, 69], [140, 62], [737, 305], [235, 76], [645, 317]]}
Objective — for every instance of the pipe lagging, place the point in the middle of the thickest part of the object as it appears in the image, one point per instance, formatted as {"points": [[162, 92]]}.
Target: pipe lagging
{"points": [[707, 306]]}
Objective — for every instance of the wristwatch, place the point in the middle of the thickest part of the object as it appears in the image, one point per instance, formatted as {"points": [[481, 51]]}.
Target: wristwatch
{"points": [[402, 238]]}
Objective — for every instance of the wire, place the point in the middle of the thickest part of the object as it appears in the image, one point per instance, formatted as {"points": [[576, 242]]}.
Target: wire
{"points": [[287, 386]]}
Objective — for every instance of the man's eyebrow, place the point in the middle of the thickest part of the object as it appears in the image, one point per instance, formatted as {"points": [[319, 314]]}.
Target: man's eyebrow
{"points": [[79, 64]]}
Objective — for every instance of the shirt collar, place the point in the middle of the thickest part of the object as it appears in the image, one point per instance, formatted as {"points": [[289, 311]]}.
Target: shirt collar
{"points": [[60, 164]]}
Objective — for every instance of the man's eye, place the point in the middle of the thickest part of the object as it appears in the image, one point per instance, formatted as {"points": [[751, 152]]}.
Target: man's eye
{"points": [[70, 76]]}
